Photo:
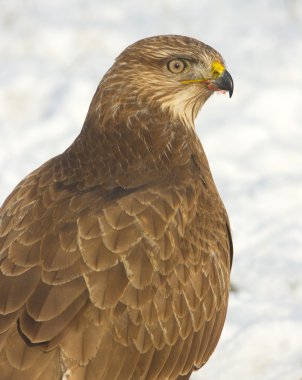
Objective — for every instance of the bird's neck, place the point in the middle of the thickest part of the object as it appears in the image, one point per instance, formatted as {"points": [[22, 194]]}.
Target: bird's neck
{"points": [[130, 148]]}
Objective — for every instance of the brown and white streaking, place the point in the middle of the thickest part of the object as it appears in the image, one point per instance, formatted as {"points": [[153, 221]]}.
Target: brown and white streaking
{"points": [[115, 255]]}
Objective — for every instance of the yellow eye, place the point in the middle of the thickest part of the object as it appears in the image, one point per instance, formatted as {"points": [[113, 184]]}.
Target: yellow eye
{"points": [[177, 66]]}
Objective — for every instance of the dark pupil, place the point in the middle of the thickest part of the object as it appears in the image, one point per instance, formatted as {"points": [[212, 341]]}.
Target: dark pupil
{"points": [[176, 65]]}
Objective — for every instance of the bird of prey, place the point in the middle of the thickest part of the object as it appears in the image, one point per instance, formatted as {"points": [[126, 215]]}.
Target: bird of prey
{"points": [[115, 255]]}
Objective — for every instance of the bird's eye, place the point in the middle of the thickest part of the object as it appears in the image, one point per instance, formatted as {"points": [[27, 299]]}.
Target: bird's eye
{"points": [[176, 66]]}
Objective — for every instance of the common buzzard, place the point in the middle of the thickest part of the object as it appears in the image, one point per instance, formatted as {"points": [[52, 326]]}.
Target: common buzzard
{"points": [[115, 255]]}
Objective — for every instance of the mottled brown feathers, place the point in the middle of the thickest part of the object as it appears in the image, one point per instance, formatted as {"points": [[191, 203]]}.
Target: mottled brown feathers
{"points": [[115, 255]]}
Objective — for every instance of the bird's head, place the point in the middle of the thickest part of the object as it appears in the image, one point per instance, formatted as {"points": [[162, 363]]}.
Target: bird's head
{"points": [[174, 73]]}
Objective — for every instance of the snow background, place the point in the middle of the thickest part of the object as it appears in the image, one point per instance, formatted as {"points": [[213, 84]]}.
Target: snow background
{"points": [[52, 56]]}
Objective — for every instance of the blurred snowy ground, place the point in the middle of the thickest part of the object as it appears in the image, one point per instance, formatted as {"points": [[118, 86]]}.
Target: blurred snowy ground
{"points": [[52, 55]]}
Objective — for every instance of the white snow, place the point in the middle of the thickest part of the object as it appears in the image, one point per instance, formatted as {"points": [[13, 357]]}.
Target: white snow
{"points": [[52, 55]]}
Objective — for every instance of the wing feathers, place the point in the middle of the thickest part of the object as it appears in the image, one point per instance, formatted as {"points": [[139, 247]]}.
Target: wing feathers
{"points": [[47, 302], [117, 218], [158, 361], [106, 287], [138, 265], [14, 293], [136, 298], [96, 255], [120, 241], [9, 268], [82, 341], [7, 320], [24, 255], [18, 354], [54, 256], [18, 361], [44, 331], [126, 289]]}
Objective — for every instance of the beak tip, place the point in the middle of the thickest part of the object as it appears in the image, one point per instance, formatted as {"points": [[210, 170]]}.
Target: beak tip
{"points": [[225, 82]]}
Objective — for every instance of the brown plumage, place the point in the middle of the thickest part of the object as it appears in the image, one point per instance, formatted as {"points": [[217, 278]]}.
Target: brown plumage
{"points": [[115, 255]]}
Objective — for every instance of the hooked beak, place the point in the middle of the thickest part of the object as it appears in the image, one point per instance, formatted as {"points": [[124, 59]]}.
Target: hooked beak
{"points": [[224, 82]]}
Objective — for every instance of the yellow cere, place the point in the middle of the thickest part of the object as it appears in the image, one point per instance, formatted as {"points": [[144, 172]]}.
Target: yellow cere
{"points": [[217, 69]]}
